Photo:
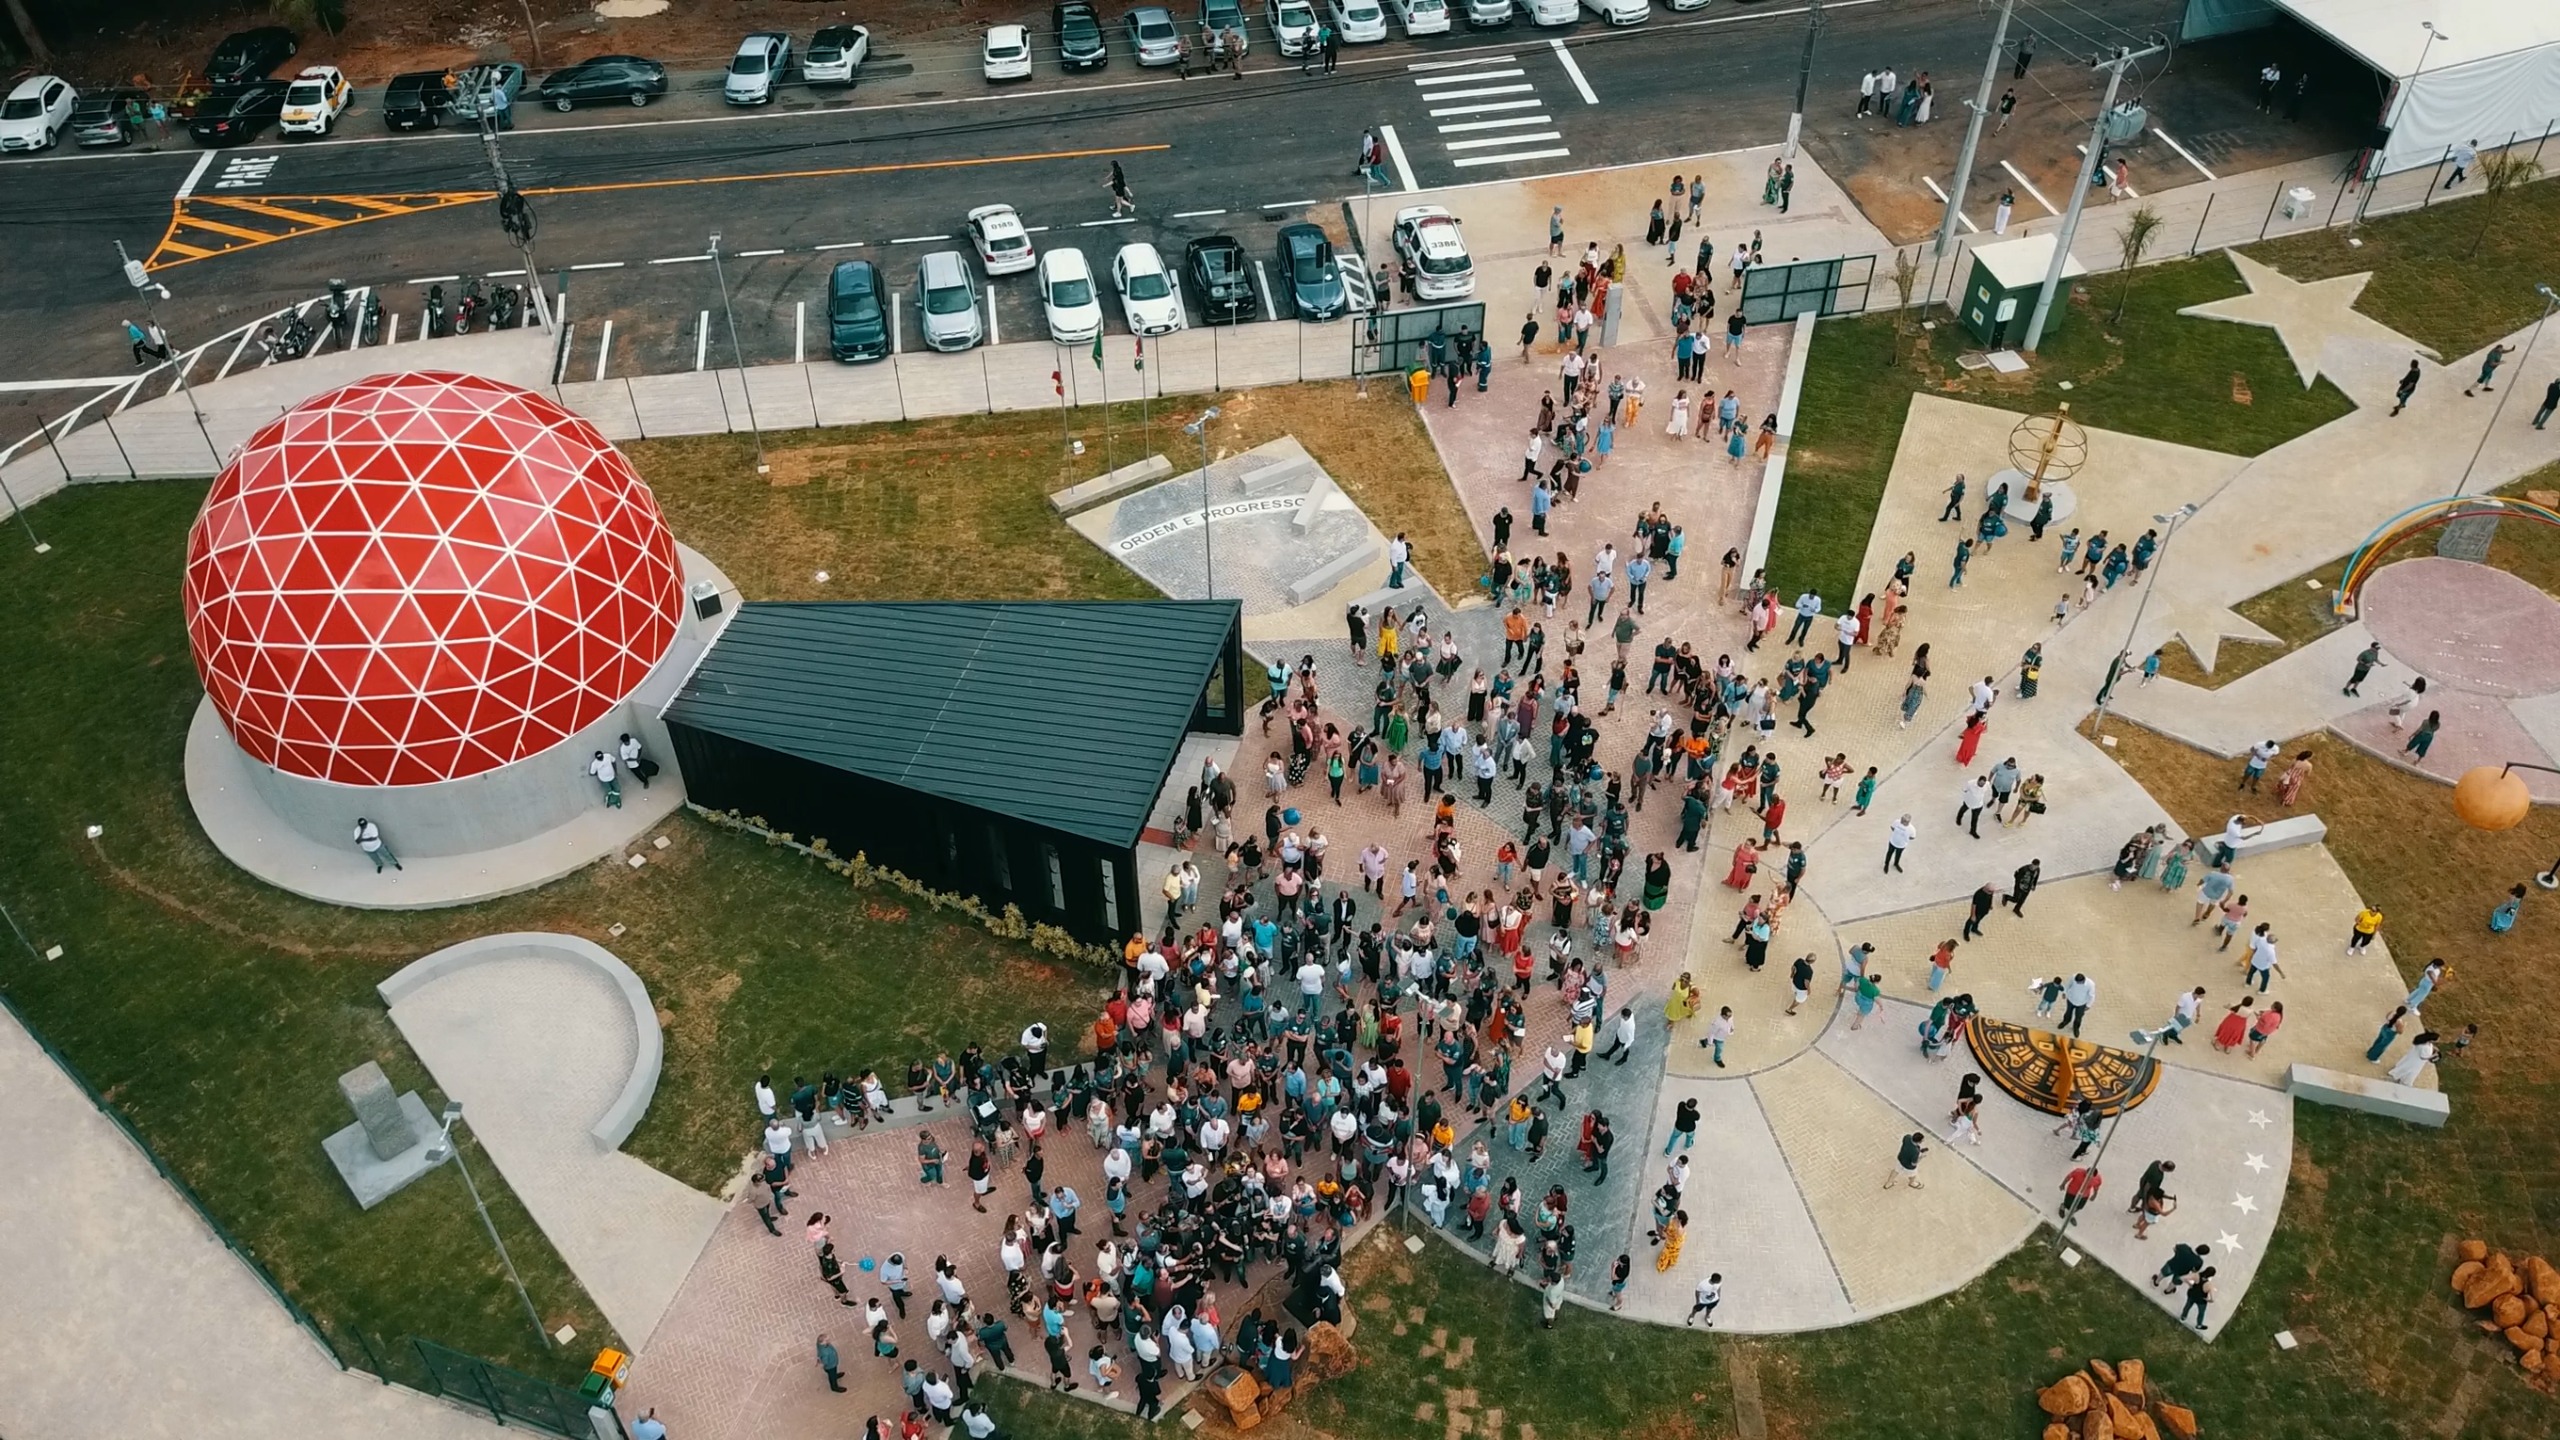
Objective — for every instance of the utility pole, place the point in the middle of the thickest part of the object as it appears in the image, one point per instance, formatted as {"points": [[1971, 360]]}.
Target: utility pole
{"points": [[2124, 58], [1804, 77], [515, 216], [152, 292], [1973, 131], [720, 272]]}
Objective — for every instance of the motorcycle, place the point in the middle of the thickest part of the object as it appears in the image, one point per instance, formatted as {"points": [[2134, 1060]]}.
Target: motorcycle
{"points": [[340, 313], [296, 340], [469, 307], [502, 307], [435, 311], [370, 328]]}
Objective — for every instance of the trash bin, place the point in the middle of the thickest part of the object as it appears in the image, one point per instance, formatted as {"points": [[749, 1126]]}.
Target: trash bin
{"points": [[2298, 202], [1420, 381]]}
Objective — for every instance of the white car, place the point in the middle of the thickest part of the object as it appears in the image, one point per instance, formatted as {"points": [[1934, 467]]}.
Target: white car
{"points": [[834, 54], [1293, 25], [1553, 12], [1067, 297], [1423, 17], [314, 101], [1428, 238], [1686, 4], [1149, 298], [1007, 55], [1003, 246], [34, 114], [1358, 22], [1620, 12], [1484, 14], [757, 69]]}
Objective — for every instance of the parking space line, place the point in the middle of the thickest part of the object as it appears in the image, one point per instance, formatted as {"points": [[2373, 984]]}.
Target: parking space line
{"points": [[839, 245], [1500, 159], [1288, 204], [605, 350], [992, 338], [1460, 77], [2029, 186], [1262, 282], [1114, 220], [799, 331], [1395, 155], [1035, 229], [678, 259], [898, 322], [1461, 64], [2182, 153], [435, 280], [756, 254], [1196, 214], [187, 186], [504, 274], [701, 341], [1573, 72], [1511, 122], [1932, 183], [1491, 141], [1489, 105], [1483, 90], [915, 239], [391, 334], [600, 265]]}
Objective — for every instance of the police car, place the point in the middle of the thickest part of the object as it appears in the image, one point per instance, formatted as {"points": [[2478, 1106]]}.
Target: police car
{"points": [[1428, 239]]}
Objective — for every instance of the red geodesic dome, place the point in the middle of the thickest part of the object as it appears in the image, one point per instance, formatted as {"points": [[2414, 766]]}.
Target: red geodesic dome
{"points": [[424, 576]]}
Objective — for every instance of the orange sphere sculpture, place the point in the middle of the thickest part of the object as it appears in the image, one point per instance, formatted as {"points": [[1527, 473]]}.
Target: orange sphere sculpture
{"points": [[2490, 797]]}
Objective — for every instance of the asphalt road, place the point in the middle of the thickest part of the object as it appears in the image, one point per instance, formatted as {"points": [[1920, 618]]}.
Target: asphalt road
{"points": [[903, 156]]}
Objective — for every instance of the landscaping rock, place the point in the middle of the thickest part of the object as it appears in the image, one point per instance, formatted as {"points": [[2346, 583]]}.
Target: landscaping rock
{"points": [[2472, 1250], [2097, 1424], [2466, 1272], [1328, 1353], [2533, 1361], [2067, 1396], [2057, 1431], [2508, 1310], [2119, 1416], [2537, 1323], [2180, 1421], [2521, 1340], [2105, 1372], [2543, 1279], [2498, 1278], [2129, 1378]]}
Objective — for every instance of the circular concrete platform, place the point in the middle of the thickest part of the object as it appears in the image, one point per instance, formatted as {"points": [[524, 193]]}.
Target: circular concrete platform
{"points": [[2466, 627]]}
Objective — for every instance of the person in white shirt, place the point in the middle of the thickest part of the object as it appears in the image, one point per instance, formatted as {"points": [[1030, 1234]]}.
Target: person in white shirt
{"points": [[369, 840], [764, 1096], [633, 761], [1897, 839], [609, 777], [1710, 1292]]}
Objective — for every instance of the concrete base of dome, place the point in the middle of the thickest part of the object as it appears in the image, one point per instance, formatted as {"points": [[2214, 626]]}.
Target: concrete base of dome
{"points": [[252, 836]]}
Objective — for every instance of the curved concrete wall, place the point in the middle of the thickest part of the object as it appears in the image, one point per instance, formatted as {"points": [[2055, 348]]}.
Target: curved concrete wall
{"points": [[648, 1052]]}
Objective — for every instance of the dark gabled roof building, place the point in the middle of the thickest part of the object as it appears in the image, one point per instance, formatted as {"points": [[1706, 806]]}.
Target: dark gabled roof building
{"points": [[1006, 750]]}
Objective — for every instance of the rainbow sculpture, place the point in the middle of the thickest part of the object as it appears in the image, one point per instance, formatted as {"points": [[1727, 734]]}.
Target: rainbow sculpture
{"points": [[2418, 519]]}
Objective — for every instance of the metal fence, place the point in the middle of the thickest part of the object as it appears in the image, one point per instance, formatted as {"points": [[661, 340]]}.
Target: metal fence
{"points": [[1399, 341], [1775, 293]]}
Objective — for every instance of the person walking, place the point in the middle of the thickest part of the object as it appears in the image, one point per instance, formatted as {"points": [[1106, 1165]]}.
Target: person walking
{"points": [[830, 1364], [1710, 1293], [2489, 364], [2079, 1188], [1906, 1161], [2550, 403], [2407, 388], [2367, 660], [2078, 994], [2199, 1296], [1898, 838], [1122, 203], [2022, 883], [2465, 155], [2424, 738]]}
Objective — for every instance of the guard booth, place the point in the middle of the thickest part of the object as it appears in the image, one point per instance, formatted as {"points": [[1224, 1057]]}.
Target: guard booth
{"points": [[1394, 342], [2001, 292]]}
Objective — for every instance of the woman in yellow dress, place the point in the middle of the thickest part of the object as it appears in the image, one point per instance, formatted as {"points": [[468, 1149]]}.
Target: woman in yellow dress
{"points": [[1684, 999], [1674, 1230]]}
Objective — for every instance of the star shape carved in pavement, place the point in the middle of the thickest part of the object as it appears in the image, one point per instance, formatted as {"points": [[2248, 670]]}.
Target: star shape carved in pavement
{"points": [[2259, 1119], [2257, 1164], [2306, 316], [2245, 1204], [2228, 1241]]}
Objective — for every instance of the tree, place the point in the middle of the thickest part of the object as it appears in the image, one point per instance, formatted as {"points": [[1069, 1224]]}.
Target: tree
{"points": [[328, 16], [2136, 234], [1906, 273], [28, 34], [2500, 173]]}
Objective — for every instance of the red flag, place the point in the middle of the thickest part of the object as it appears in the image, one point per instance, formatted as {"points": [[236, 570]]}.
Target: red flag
{"points": [[1058, 383]]}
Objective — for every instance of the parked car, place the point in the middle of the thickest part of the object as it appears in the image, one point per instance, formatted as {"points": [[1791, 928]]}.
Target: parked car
{"points": [[36, 113], [1485, 14], [417, 100], [604, 78], [1007, 53], [1067, 298], [1293, 25], [1315, 282], [834, 54], [488, 89], [1149, 300], [1427, 238], [1221, 16], [757, 68], [1553, 12], [250, 55], [857, 312], [1004, 247], [947, 302], [1219, 272], [1152, 36], [313, 101], [99, 117], [227, 117], [1620, 12], [1423, 17], [1358, 22], [1079, 32]]}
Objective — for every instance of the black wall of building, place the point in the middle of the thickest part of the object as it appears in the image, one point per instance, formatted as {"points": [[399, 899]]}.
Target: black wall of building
{"points": [[1087, 889]]}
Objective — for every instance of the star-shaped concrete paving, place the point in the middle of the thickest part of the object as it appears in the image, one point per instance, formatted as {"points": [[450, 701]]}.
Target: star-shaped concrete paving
{"points": [[2228, 1241], [2259, 1119], [2245, 1204], [2305, 316], [2257, 1164]]}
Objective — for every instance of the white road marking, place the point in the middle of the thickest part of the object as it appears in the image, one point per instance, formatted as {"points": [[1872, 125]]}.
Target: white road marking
{"points": [[1395, 156], [1114, 220], [1027, 230], [915, 239], [99, 382], [1288, 204], [1491, 141], [756, 254], [391, 335], [1196, 214], [898, 322], [435, 280], [1461, 64], [1513, 122], [679, 259], [840, 245], [1573, 72], [605, 349], [504, 274], [1483, 90], [1961, 217], [187, 186], [701, 342], [799, 331], [1489, 105], [2029, 186], [991, 317], [601, 265], [1461, 77], [2182, 153], [1262, 282], [1500, 159]]}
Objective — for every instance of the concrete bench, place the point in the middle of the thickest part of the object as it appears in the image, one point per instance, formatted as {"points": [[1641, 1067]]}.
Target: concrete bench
{"points": [[2368, 1093], [1110, 483], [1323, 578], [2278, 835], [1281, 473]]}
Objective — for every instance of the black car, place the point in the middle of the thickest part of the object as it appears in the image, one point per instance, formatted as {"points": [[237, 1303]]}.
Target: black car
{"points": [[100, 117], [1080, 45], [857, 312], [606, 77], [417, 100], [250, 55], [227, 117], [1315, 282], [1220, 273]]}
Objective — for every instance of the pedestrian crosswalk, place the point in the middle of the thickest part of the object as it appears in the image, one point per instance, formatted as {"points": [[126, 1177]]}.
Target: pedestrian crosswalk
{"points": [[1487, 111]]}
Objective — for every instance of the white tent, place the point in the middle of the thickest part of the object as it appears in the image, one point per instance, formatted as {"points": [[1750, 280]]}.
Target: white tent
{"points": [[2488, 71]]}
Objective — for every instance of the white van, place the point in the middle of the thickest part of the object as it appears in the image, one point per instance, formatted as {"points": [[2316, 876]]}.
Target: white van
{"points": [[1620, 12], [1553, 12]]}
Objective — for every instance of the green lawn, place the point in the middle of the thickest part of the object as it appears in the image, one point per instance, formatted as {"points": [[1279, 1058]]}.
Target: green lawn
{"points": [[2156, 373]]}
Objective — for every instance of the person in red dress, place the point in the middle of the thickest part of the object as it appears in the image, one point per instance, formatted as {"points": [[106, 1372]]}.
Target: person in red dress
{"points": [[1746, 859], [1974, 724]]}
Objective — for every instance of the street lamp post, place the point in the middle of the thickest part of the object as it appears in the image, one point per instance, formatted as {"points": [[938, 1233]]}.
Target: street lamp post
{"points": [[152, 292], [2391, 117], [444, 1146], [2097, 1163], [2159, 563], [1199, 430], [2468, 538], [744, 389]]}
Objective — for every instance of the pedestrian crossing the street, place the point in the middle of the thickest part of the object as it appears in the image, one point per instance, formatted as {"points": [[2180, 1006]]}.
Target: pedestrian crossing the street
{"points": [[1487, 111]]}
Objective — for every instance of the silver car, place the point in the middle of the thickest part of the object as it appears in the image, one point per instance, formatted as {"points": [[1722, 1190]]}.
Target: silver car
{"points": [[947, 302], [1153, 36]]}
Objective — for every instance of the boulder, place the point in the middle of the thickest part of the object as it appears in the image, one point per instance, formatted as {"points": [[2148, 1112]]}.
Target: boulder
{"points": [[2543, 1279], [2472, 1250], [2509, 1310], [2537, 1323], [1328, 1353], [2057, 1431], [2498, 1277], [2105, 1372], [2119, 1416], [2067, 1396], [2178, 1420], [2097, 1424], [2466, 1272], [2129, 1378], [2521, 1340], [2533, 1361]]}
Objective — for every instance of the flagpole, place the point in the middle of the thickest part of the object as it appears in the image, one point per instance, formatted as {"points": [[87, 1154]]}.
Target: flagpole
{"points": [[1105, 369], [1058, 382], [1140, 365]]}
